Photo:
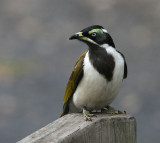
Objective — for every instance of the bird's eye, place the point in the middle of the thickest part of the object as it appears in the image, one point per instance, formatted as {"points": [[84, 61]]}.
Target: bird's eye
{"points": [[94, 34]]}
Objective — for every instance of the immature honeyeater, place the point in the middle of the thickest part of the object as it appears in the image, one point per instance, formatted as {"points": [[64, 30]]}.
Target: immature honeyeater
{"points": [[97, 76]]}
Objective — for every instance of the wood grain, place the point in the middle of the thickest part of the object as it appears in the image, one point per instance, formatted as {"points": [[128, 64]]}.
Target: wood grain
{"points": [[72, 128]]}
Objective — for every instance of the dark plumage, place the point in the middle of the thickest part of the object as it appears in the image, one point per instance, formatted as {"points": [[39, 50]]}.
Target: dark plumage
{"points": [[97, 75]]}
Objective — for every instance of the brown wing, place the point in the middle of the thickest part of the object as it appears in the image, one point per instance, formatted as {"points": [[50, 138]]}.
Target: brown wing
{"points": [[73, 82]]}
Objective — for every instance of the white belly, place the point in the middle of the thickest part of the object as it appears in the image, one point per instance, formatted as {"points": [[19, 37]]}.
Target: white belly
{"points": [[94, 92]]}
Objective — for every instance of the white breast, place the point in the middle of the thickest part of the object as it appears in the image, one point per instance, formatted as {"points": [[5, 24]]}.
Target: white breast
{"points": [[94, 92]]}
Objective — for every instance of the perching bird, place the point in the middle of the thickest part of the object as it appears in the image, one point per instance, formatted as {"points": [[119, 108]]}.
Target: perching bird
{"points": [[97, 76]]}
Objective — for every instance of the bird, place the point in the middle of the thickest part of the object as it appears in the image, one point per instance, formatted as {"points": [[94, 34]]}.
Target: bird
{"points": [[97, 75]]}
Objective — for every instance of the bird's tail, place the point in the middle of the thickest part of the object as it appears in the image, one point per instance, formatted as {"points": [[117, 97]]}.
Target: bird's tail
{"points": [[65, 110], [62, 114]]}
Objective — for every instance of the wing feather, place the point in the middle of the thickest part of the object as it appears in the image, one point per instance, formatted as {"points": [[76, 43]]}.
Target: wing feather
{"points": [[73, 82], [125, 66]]}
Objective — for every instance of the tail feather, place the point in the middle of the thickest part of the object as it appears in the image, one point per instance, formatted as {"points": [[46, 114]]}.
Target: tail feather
{"points": [[65, 110]]}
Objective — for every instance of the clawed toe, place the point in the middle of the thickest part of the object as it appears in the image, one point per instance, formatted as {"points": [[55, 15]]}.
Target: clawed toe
{"points": [[87, 116], [112, 111]]}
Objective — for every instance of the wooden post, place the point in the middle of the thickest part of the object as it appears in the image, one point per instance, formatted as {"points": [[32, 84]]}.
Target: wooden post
{"points": [[72, 128]]}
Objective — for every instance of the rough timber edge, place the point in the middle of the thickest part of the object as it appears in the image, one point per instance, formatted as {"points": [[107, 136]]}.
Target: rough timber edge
{"points": [[71, 124]]}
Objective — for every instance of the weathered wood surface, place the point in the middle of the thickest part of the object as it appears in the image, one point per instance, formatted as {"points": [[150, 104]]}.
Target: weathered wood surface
{"points": [[73, 129]]}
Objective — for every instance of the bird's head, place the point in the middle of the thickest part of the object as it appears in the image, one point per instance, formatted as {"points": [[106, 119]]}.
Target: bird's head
{"points": [[94, 35]]}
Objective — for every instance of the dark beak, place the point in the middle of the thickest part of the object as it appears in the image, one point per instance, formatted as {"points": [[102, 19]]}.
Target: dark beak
{"points": [[75, 36]]}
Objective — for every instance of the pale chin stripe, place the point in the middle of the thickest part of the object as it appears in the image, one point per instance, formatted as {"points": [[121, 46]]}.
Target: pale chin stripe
{"points": [[104, 30], [90, 40]]}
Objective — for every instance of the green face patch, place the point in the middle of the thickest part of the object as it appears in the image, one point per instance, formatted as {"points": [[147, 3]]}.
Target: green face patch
{"points": [[98, 31], [97, 35]]}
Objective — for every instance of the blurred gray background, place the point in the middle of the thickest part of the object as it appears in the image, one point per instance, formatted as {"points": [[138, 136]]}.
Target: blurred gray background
{"points": [[36, 59]]}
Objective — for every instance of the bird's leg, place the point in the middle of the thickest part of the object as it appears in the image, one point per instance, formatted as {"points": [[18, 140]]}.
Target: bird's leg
{"points": [[86, 115], [112, 110]]}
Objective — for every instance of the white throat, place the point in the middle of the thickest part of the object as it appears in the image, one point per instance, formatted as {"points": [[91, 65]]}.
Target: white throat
{"points": [[106, 46]]}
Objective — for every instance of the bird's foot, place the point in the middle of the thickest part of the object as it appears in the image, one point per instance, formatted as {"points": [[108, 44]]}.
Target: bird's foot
{"points": [[87, 116], [112, 111]]}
